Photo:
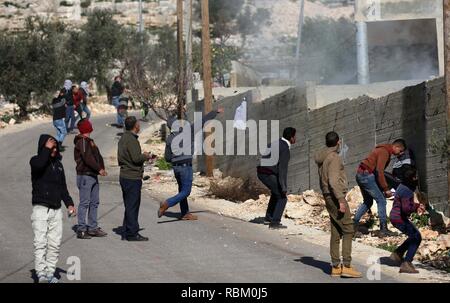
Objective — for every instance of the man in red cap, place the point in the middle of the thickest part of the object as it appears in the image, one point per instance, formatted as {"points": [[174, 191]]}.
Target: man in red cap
{"points": [[90, 164]]}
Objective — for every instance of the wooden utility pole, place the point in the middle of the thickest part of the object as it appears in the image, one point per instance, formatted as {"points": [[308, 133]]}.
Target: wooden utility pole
{"points": [[181, 77], [207, 81], [447, 81], [189, 68], [299, 39]]}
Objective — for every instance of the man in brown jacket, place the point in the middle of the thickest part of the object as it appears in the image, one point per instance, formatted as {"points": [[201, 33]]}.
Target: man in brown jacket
{"points": [[333, 183], [89, 165], [372, 182]]}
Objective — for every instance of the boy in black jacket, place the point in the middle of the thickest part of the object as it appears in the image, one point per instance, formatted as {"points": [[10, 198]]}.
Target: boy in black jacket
{"points": [[49, 188]]}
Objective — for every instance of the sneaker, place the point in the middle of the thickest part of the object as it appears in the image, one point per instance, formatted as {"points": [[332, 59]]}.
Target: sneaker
{"points": [[277, 226], [98, 232], [350, 272], [83, 235], [408, 268], [189, 217], [336, 271], [42, 279]]}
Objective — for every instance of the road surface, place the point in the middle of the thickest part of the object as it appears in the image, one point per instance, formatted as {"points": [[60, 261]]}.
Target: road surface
{"points": [[213, 249]]}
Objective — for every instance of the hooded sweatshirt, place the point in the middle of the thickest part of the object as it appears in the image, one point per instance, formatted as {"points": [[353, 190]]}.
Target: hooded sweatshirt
{"points": [[333, 179], [48, 178], [377, 161], [87, 156], [85, 91]]}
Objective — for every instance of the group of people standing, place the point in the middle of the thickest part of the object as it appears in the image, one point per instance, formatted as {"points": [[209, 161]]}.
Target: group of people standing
{"points": [[371, 179], [68, 107]]}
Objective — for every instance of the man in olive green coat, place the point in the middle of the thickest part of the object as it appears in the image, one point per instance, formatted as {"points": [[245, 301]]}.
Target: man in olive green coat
{"points": [[333, 183], [131, 162]]}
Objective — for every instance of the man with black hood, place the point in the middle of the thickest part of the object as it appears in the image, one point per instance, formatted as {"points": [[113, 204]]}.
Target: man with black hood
{"points": [[49, 188]]}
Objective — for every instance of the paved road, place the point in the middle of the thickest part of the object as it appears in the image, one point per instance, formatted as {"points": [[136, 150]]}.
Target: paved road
{"points": [[213, 249]]}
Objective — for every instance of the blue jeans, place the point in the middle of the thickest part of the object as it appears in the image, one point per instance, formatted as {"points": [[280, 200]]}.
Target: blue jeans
{"points": [[70, 116], [61, 130], [131, 191], [184, 176], [87, 111], [412, 243], [115, 102], [370, 191], [89, 201]]}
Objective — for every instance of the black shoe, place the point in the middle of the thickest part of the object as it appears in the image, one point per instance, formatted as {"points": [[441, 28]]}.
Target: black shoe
{"points": [[138, 237], [267, 220], [277, 226], [83, 235], [385, 232]]}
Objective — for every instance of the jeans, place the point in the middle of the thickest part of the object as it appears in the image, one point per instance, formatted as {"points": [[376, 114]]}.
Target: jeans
{"points": [[61, 130], [86, 110], [70, 116], [184, 176], [278, 200], [89, 201], [47, 228], [370, 191], [412, 243], [131, 191], [115, 102]]}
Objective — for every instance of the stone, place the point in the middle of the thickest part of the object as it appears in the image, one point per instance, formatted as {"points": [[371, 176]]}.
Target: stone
{"points": [[354, 198], [295, 198], [298, 211], [444, 240], [312, 198], [217, 174], [429, 234], [12, 121]]}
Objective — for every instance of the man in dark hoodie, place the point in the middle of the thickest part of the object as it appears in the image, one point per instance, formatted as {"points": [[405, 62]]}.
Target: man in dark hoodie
{"points": [[372, 182], [334, 186], [182, 165], [90, 164], [274, 176], [49, 188]]}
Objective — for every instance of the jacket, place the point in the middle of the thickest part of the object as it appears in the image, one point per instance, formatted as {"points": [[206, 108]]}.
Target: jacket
{"points": [[87, 156], [59, 108], [117, 89], [77, 98], [332, 177], [281, 168], [48, 178], [377, 161], [174, 154], [403, 205], [130, 157], [68, 96]]}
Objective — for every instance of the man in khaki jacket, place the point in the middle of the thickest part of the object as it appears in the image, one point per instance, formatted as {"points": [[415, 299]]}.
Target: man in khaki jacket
{"points": [[333, 183]]}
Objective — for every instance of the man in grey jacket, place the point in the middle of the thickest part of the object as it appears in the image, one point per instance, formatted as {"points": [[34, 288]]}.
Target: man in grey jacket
{"points": [[274, 176], [182, 166], [131, 162]]}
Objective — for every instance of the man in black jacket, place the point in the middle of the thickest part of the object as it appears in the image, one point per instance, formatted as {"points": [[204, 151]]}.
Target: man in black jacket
{"points": [[59, 105], [49, 188], [117, 90], [274, 176]]}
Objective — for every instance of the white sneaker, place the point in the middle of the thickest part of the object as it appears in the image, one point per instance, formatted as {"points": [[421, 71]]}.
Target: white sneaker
{"points": [[52, 280], [42, 279]]}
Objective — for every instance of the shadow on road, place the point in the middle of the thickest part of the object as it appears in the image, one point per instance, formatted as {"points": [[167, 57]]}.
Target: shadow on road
{"points": [[387, 261], [177, 216], [324, 266], [259, 220]]}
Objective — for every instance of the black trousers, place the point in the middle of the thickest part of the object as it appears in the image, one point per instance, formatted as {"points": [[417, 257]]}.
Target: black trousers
{"points": [[131, 191], [278, 200]]}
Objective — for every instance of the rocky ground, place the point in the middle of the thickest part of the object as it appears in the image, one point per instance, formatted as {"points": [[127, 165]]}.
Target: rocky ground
{"points": [[306, 209]]}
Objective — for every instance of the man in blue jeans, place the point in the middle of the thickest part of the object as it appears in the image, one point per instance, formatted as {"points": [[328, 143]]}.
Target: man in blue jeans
{"points": [[372, 182], [70, 109], [117, 90], [59, 116], [182, 166]]}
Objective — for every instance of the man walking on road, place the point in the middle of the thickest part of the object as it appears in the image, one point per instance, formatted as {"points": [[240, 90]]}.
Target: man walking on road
{"points": [[85, 91], [372, 182], [70, 109], [90, 164], [131, 162], [59, 116], [274, 176], [334, 186], [117, 90], [49, 188], [182, 167]]}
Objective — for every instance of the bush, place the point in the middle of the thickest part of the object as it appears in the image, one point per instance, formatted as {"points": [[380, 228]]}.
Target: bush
{"points": [[388, 246], [162, 164], [85, 4], [236, 189], [420, 220], [65, 3]]}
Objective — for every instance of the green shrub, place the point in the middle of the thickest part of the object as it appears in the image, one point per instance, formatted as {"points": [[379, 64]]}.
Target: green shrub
{"points": [[388, 246], [420, 220], [162, 164]]}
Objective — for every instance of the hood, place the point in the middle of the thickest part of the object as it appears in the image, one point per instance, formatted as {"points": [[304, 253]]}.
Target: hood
{"points": [[387, 147], [68, 85], [84, 86], [321, 155], [42, 140]]}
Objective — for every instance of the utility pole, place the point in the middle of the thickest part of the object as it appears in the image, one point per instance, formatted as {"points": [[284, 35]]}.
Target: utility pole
{"points": [[141, 25], [189, 68], [180, 58], [447, 82], [299, 38], [207, 85]]}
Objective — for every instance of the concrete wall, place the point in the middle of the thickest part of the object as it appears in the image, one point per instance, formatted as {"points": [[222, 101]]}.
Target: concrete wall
{"points": [[415, 113]]}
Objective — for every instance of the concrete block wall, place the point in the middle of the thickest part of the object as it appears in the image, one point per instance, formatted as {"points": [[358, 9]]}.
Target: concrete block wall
{"points": [[415, 113]]}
